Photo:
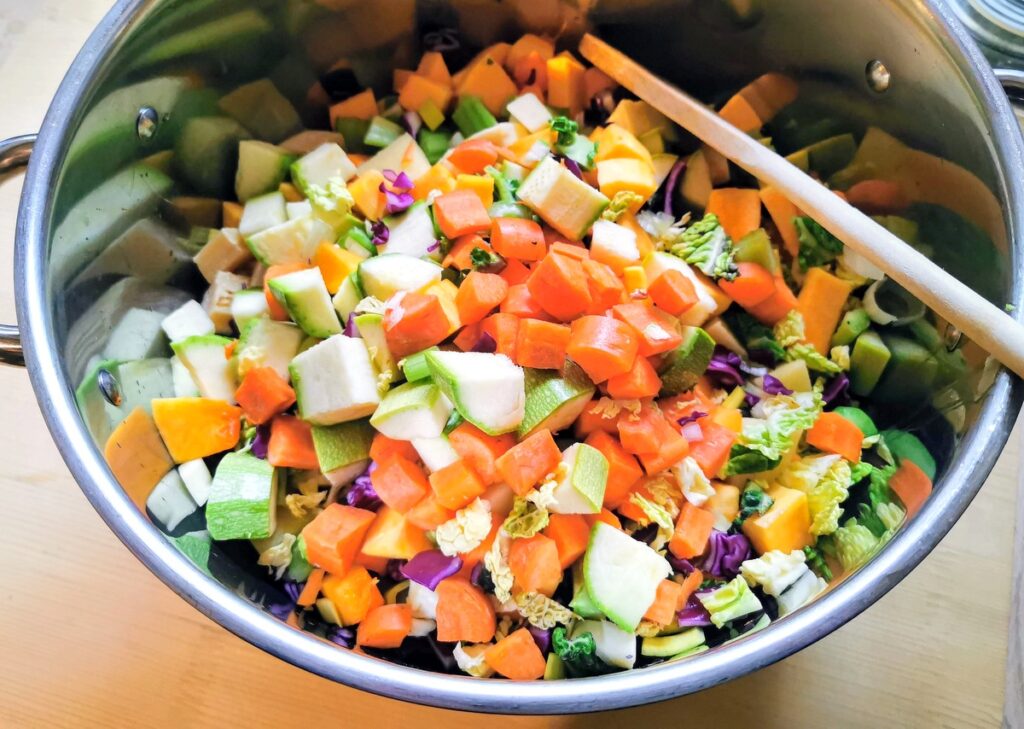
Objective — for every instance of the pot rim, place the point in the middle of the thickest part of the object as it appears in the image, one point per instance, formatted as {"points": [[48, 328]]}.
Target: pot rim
{"points": [[657, 683]]}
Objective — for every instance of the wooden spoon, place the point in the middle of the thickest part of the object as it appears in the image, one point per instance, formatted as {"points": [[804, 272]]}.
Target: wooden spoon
{"points": [[990, 327]]}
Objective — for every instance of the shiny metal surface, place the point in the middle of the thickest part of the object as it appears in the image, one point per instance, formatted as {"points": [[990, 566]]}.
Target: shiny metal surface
{"points": [[14, 154], [950, 103]]}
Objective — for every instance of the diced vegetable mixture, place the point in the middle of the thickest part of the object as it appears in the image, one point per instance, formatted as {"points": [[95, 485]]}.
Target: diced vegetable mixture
{"points": [[505, 375]]}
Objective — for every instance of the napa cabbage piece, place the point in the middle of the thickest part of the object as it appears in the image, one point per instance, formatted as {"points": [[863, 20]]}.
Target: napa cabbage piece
{"points": [[774, 571], [731, 601]]}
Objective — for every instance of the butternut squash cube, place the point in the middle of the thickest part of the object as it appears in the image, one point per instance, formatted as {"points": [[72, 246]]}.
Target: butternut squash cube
{"points": [[137, 456], [417, 90], [626, 174], [786, 526], [392, 536], [489, 81]]}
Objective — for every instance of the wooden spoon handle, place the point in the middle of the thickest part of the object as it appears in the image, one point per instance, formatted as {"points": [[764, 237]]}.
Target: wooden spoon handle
{"points": [[990, 327]]}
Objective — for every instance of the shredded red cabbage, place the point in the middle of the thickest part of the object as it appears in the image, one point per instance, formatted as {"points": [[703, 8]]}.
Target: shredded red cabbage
{"points": [[381, 233], [412, 122], [345, 637], [573, 166], [361, 493], [485, 344], [750, 399], [476, 574], [433, 246], [350, 327], [281, 611], [541, 637], [692, 417], [681, 566], [693, 614], [397, 197], [261, 442], [430, 567], [837, 390], [670, 184], [724, 554], [692, 432], [773, 386], [724, 368], [399, 180], [293, 589]]}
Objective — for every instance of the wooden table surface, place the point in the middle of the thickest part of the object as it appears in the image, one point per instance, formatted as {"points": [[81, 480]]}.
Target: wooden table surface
{"points": [[88, 637]]}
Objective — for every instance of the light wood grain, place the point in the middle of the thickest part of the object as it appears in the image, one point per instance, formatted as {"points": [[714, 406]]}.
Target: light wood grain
{"points": [[89, 638], [987, 325]]}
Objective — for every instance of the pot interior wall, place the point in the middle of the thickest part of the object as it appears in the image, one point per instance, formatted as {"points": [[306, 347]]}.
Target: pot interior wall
{"points": [[119, 256]]}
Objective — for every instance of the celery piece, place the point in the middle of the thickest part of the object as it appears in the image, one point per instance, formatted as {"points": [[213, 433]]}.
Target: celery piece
{"points": [[433, 143], [381, 132], [415, 367], [471, 116], [431, 115]]}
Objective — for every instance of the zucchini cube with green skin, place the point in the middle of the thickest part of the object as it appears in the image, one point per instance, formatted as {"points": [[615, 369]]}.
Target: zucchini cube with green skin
{"points": [[371, 329], [868, 361], [304, 295], [293, 241], [243, 498], [488, 390], [261, 168], [326, 162], [384, 276], [262, 212], [565, 202], [335, 381], [412, 410], [348, 296], [248, 305], [612, 644], [554, 400], [684, 365], [413, 234], [622, 575], [188, 320], [267, 343], [529, 111], [213, 373], [343, 450], [436, 453], [581, 486], [170, 502], [401, 154], [854, 323]]}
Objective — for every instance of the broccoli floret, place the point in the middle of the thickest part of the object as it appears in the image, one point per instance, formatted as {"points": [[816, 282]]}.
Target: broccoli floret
{"points": [[623, 201], [579, 654], [753, 502], [566, 129], [817, 245], [705, 245], [485, 260]]}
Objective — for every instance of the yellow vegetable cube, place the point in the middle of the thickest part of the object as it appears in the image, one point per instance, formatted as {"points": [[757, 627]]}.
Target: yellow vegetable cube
{"points": [[445, 291], [231, 214], [391, 536], [565, 83], [439, 177], [417, 90], [336, 264], [786, 526], [480, 185], [432, 66], [196, 427], [353, 594], [626, 174], [366, 192], [489, 82], [137, 456], [615, 142]]}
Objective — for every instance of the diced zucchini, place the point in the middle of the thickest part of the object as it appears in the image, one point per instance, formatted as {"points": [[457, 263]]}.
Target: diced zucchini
{"points": [[197, 479], [343, 450], [243, 498], [188, 320], [371, 329], [529, 111], [684, 365], [580, 488], [565, 202], [262, 212], [267, 343], [384, 276], [211, 370], [488, 390], [348, 297], [412, 410], [622, 575], [303, 294], [169, 501], [413, 234], [294, 241], [247, 305], [326, 162], [261, 168], [402, 154], [335, 381]]}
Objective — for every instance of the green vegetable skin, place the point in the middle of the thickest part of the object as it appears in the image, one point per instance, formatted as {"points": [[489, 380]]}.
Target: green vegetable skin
{"points": [[756, 247], [907, 446], [867, 362], [859, 418], [684, 365], [909, 376], [471, 116], [855, 322]]}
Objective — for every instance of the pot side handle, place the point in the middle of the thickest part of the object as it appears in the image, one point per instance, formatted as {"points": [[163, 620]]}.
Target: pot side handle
{"points": [[14, 154], [1013, 83]]}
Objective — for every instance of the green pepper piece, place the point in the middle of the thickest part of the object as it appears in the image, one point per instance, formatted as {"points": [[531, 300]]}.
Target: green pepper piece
{"points": [[867, 362], [756, 247], [855, 322]]}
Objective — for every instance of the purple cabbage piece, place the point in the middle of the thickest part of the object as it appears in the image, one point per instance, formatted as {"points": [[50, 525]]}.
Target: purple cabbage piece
{"points": [[541, 637], [345, 637], [395, 202], [476, 574], [361, 493], [381, 233], [281, 611], [724, 555], [393, 569], [261, 442], [412, 122], [693, 614], [485, 344], [430, 567], [293, 589], [837, 390], [670, 185], [724, 368], [350, 327], [750, 399], [399, 180], [692, 432], [692, 417], [433, 246], [773, 386], [573, 167], [681, 566]]}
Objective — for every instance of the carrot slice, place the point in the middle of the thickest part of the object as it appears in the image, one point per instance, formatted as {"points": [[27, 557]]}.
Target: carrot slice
{"points": [[656, 331], [821, 303], [673, 292], [640, 382], [418, 321], [594, 418], [738, 210], [833, 433], [428, 514], [291, 444], [464, 612], [775, 307], [674, 448], [663, 610], [479, 450], [478, 294], [643, 432], [559, 285], [911, 485], [712, 451], [693, 529], [334, 536], [606, 516], [518, 238], [753, 285], [515, 272], [602, 346], [473, 155], [385, 626], [782, 212], [525, 464], [263, 394], [311, 589], [535, 564], [383, 448], [516, 657], [400, 483], [456, 485], [520, 303], [571, 534], [459, 255], [503, 329], [459, 213], [878, 197], [690, 584], [541, 344], [623, 470], [605, 288]]}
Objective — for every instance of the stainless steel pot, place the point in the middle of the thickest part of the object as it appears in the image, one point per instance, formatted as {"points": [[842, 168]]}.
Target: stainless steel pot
{"points": [[941, 95]]}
